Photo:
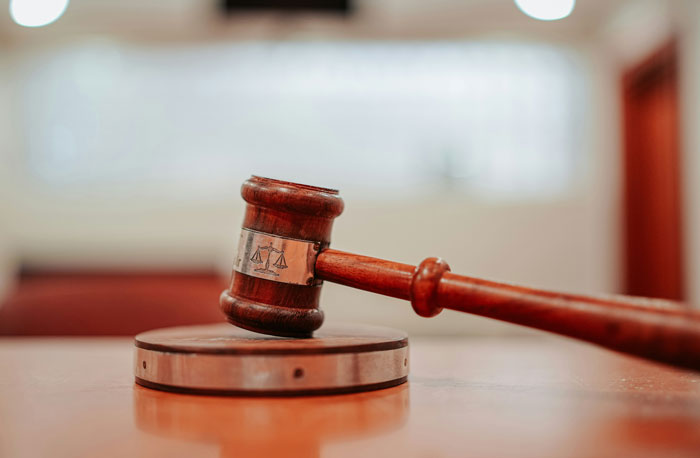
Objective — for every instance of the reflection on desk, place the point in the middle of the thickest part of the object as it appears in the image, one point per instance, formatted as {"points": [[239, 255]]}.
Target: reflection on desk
{"points": [[254, 427]]}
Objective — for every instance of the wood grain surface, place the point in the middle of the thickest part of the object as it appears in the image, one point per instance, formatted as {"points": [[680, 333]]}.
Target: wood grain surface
{"points": [[537, 397]]}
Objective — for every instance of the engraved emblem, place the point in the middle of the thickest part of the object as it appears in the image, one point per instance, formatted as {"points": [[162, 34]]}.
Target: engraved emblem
{"points": [[279, 263], [265, 256]]}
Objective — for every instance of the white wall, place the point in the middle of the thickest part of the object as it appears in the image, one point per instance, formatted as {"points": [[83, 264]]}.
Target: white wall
{"points": [[8, 149], [690, 105]]}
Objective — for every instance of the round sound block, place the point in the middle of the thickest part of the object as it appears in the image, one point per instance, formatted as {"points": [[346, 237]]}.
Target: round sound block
{"points": [[223, 359]]}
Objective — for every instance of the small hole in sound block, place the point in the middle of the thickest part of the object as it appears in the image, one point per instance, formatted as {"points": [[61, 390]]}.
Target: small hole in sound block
{"points": [[298, 372], [405, 362], [144, 364]]}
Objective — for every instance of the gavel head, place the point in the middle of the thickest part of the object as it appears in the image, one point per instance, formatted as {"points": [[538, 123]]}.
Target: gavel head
{"points": [[285, 226]]}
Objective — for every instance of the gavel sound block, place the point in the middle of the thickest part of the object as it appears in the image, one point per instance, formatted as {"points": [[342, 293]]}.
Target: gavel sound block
{"points": [[222, 359], [284, 257]]}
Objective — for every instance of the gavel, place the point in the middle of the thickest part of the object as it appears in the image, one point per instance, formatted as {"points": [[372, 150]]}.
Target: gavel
{"points": [[284, 257]]}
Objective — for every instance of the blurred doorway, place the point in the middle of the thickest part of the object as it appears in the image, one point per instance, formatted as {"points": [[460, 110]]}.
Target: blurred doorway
{"points": [[652, 238]]}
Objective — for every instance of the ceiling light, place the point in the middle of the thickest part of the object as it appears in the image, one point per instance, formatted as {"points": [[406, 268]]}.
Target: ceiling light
{"points": [[36, 13], [546, 10]]}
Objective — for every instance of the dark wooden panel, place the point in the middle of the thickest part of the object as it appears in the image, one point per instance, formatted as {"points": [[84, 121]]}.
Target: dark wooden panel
{"points": [[109, 303], [652, 234]]}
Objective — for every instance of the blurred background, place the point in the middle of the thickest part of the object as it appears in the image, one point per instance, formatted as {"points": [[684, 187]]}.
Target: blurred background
{"points": [[547, 143]]}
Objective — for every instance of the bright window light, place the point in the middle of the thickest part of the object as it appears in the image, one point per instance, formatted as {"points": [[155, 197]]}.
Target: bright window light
{"points": [[37, 13], [490, 119], [546, 10]]}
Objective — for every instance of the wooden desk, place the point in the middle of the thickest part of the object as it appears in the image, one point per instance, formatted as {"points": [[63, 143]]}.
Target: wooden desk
{"points": [[536, 397]]}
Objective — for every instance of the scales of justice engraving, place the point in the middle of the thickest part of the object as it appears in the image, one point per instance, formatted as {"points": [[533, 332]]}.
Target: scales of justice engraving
{"points": [[280, 263]]}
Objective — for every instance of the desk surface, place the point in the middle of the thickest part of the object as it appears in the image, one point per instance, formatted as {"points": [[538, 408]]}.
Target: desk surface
{"points": [[466, 397]]}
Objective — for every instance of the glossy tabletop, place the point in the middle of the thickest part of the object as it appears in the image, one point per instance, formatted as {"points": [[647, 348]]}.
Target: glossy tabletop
{"points": [[500, 397]]}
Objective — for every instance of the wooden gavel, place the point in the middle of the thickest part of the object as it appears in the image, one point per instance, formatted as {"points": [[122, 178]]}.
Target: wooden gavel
{"points": [[283, 258]]}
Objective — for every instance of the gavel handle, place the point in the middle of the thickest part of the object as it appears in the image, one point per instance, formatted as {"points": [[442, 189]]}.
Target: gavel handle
{"points": [[659, 330]]}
